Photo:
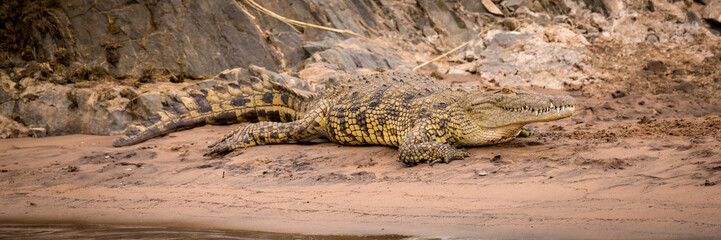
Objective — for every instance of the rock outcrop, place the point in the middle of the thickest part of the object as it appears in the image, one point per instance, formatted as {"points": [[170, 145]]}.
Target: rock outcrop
{"points": [[205, 37]]}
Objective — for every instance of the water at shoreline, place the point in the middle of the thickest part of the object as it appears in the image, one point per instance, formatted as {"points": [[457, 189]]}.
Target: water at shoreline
{"points": [[83, 231]]}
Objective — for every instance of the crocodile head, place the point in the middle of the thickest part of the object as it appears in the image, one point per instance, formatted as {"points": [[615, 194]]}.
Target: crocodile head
{"points": [[499, 116]]}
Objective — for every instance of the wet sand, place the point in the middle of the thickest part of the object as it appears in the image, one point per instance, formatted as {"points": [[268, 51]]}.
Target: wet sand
{"points": [[87, 231]]}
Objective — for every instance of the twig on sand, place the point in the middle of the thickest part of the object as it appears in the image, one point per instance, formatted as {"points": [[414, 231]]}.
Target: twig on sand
{"points": [[442, 55], [482, 32]]}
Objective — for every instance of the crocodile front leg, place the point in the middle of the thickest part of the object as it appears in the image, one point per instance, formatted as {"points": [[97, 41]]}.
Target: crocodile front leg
{"points": [[424, 143], [272, 132]]}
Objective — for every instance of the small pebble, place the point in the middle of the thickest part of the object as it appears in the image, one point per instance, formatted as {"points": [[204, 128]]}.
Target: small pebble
{"points": [[709, 183], [482, 173], [618, 94]]}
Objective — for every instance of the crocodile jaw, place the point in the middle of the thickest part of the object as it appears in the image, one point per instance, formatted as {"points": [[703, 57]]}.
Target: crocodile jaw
{"points": [[525, 114], [518, 109], [498, 117]]}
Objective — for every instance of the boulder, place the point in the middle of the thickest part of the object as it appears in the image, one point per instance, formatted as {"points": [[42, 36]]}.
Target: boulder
{"points": [[63, 109], [48, 106], [534, 56], [352, 54], [101, 111]]}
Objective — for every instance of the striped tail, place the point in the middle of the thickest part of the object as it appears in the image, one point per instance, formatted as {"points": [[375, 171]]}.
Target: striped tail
{"points": [[249, 100]]}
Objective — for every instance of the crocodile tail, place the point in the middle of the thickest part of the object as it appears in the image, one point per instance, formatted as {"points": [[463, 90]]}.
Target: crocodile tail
{"points": [[248, 100]]}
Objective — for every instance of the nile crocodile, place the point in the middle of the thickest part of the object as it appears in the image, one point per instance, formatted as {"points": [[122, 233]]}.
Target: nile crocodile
{"points": [[425, 119]]}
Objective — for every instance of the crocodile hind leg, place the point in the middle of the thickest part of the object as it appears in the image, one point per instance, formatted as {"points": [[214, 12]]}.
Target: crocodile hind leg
{"points": [[427, 144], [272, 132]]}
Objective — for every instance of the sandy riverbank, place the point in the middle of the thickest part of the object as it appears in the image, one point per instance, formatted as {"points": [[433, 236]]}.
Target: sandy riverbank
{"points": [[565, 184]]}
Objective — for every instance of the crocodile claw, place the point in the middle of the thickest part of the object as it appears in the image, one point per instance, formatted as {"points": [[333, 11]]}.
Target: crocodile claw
{"points": [[458, 155]]}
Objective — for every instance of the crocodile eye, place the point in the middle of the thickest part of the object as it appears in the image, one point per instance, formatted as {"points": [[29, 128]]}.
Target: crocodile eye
{"points": [[506, 90]]}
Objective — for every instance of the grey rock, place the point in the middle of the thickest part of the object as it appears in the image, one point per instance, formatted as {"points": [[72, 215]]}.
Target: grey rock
{"points": [[314, 47], [101, 116], [473, 6], [693, 17], [119, 120], [61, 110], [51, 110], [291, 46], [549, 57], [7, 108], [4, 96], [352, 54], [456, 30], [148, 104]]}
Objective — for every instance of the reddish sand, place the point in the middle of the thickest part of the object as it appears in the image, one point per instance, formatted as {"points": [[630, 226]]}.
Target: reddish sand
{"points": [[570, 183]]}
